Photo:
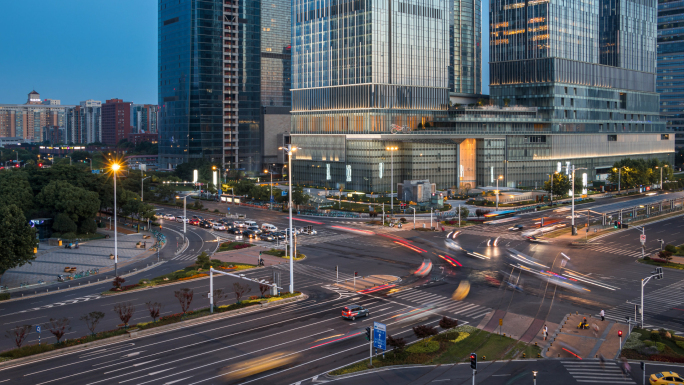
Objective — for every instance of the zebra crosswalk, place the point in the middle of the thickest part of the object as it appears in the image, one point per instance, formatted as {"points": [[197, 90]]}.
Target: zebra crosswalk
{"points": [[446, 304], [315, 272], [593, 372], [492, 232], [612, 250], [656, 302]]}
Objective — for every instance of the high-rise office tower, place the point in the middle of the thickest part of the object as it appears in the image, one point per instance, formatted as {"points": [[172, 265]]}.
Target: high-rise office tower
{"points": [[213, 70], [671, 66], [572, 84], [466, 48]]}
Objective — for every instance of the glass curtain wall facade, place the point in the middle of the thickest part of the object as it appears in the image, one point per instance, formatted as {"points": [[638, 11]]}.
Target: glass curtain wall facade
{"points": [[671, 66], [190, 81], [276, 58], [465, 75], [250, 130]]}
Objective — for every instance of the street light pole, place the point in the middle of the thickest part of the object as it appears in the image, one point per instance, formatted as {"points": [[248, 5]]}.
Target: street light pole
{"points": [[391, 149], [141, 187], [414, 217], [115, 168], [290, 149], [497, 191], [661, 175], [572, 199]]}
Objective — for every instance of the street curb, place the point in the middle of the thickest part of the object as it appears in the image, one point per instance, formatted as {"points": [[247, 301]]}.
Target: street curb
{"points": [[132, 335], [108, 294], [376, 370], [81, 286], [546, 346]]}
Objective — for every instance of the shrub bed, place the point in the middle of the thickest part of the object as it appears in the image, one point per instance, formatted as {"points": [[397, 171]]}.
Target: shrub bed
{"points": [[227, 246]]}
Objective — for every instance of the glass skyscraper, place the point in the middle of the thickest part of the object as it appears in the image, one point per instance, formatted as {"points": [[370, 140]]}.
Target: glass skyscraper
{"points": [[671, 66], [214, 67], [572, 83], [465, 75]]}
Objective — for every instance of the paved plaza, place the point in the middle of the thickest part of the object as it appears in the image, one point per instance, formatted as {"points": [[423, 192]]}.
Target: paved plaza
{"points": [[93, 254]]}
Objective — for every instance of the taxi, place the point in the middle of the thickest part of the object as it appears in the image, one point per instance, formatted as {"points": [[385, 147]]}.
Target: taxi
{"points": [[665, 378]]}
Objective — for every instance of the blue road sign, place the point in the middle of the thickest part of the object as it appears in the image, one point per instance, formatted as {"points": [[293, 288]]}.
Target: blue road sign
{"points": [[380, 335], [228, 208], [284, 193], [37, 328], [272, 199], [220, 192]]}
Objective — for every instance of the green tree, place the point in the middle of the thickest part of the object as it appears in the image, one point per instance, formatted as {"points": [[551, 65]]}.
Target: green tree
{"points": [[64, 224], [140, 210], [62, 197], [17, 238], [463, 213], [15, 189], [561, 184]]}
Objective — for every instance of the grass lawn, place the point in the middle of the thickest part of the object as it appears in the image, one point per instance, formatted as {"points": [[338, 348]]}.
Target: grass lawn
{"points": [[661, 264], [464, 223], [488, 346], [655, 346]]}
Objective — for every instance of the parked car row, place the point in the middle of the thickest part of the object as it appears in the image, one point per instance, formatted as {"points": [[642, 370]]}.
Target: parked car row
{"points": [[250, 229]]}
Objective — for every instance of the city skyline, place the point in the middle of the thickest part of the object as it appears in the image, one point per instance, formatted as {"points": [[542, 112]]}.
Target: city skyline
{"points": [[70, 78]]}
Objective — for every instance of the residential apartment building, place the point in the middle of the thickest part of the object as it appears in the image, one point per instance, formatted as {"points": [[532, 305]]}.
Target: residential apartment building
{"points": [[116, 121], [85, 122], [29, 121]]}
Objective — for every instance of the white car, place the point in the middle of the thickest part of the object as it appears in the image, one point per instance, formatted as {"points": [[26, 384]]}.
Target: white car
{"points": [[268, 227], [287, 231], [170, 217], [219, 226], [181, 219], [239, 224]]}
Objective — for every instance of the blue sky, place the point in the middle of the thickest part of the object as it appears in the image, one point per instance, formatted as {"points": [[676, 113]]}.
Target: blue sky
{"points": [[75, 50]]}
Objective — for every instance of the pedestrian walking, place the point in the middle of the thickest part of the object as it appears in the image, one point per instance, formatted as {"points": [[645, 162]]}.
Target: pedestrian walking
{"points": [[603, 315], [546, 333]]}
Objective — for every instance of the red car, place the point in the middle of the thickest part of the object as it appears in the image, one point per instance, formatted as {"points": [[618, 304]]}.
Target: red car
{"points": [[194, 222]]}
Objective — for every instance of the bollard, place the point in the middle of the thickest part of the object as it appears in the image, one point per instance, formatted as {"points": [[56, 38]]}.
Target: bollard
{"points": [[558, 354], [538, 355], [484, 358], [535, 344], [523, 355], [504, 335]]}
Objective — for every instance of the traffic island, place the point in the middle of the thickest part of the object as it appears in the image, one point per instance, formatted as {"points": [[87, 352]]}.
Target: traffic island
{"points": [[598, 338], [654, 345], [448, 347]]}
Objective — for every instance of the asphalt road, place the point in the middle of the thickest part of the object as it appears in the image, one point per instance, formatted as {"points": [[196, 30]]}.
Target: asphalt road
{"points": [[312, 337], [557, 372]]}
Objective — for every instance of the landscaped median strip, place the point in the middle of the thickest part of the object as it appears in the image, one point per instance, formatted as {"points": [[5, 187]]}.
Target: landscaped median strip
{"points": [[451, 346], [32, 353]]}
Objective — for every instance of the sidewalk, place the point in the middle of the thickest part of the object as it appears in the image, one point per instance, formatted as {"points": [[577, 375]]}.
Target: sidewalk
{"points": [[585, 343], [520, 327], [92, 254]]}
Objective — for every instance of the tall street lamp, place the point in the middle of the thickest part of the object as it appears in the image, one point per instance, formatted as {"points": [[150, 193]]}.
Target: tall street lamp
{"points": [[270, 198], [661, 175], [391, 149], [290, 149], [115, 168], [497, 191], [141, 187], [185, 214], [619, 170], [573, 169], [551, 177]]}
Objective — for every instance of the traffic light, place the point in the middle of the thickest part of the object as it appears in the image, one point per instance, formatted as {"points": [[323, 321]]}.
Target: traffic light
{"points": [[368, 334], [616, 225], [658, 273], [643, 366], [473, 361], [620, 333], [356, 274], [40, 165], [336, 269]]}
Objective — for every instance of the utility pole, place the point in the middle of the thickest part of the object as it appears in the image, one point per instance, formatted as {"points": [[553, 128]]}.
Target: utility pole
{"points": [[414, 218], [391, 149], [141, 186]]}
